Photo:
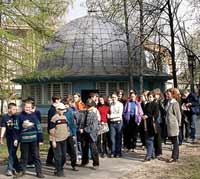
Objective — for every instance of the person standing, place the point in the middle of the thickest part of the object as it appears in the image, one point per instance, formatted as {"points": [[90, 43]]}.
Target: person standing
{"points": [[51, 112], [89, 131], [132, 114], [58, 136], [173, 122], [71, 140], [102, 141], [151, 112], [116, 122], [192, 104], [7, 127], [29, 133]]}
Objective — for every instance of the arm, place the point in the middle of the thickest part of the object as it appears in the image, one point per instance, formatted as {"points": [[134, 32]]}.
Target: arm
{"points": [[52, 134], [39, 131], [3, 130], [177, 112]]}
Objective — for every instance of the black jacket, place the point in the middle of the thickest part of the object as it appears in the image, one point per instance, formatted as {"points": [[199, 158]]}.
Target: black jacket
{"points": [[152, 111]]}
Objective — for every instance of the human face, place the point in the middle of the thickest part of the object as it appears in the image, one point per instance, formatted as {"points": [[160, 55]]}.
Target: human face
{"points": [[114, 98], [150, 98], [12, 110], [120, 95], [169, 95], [60, 111], [28, 108], [101, 100], [76, 98], [133, 97], [157, 96]]}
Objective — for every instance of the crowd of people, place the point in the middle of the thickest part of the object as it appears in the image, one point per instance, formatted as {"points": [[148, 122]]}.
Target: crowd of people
{"points": [[100, 127]]}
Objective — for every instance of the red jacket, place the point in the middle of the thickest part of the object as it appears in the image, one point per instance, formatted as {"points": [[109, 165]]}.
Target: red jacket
{"points": [[103, 110]]}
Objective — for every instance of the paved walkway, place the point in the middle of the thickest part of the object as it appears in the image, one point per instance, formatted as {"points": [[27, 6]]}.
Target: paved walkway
{"points": [[109, 168]]}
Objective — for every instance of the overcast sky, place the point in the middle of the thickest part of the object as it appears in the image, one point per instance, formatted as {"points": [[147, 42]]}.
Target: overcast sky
{"points": [[79, 9]]}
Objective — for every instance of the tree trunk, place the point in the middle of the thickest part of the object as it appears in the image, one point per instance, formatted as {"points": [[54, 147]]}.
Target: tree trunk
{"points": [[130, 62], [171, 23], [141, 46]]}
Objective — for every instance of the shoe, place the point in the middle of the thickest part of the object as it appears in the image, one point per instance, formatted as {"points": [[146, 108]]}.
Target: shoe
{"points": [[20, 174], [40, 175], [111, 156], [147, 159], [102, 155], [132, 150], [96, 167], [30, 166], [118, 156], [171, 160], [9, 173], [59, 174], [75, 169]]}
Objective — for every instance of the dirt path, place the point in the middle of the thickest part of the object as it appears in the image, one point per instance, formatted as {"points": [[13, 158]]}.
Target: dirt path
{"points": [[188, 166]]}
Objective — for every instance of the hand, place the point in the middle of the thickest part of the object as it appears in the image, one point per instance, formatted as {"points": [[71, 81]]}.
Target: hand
{"points": [[144, 117], [41, 143], [54, 144], [74, 138], [15, 143], [81, 131], [108, 116]]}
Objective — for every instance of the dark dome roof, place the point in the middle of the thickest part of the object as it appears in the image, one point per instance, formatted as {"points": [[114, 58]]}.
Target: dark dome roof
{"points": [[90, 46]]}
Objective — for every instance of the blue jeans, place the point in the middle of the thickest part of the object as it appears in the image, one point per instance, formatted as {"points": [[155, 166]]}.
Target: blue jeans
{"points": [[12, 156], [116, 137], [150, 147], [192, 120]]}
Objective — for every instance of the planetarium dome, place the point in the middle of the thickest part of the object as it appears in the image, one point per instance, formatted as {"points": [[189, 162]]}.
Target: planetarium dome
{"points": [[90, 45]]}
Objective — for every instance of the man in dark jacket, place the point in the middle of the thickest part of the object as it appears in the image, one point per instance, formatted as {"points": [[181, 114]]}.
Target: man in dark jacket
{"points": [[191, 103], [51, 113]]}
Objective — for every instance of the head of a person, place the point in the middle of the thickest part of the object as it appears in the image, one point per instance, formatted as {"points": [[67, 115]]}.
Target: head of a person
{"points": [[133, 95], [151, 96], [114, 97], [28, 106], [172, 94], [90, 103], [56, 99], [94, 97], [77, 97], [102, 100], [185, 93], [157, 93], [109, 100], [60, 108], [12, 108], [120, 93], [68, 102]]}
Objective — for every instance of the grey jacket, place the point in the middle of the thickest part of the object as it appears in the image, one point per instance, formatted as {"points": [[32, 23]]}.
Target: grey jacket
{"points": [[90, 124], [173, 118]]}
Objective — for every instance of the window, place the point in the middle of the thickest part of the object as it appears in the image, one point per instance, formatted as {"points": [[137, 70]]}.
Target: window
{"points": [[107, 88], [43, 93]]}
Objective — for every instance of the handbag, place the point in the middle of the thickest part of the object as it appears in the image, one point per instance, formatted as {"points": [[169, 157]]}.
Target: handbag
{"points": [[103, 128]]}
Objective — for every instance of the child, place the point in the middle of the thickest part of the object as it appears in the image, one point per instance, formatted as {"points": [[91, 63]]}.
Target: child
{"points": [[71, 140], [88, 130], [7, 125], [58, 136], [29, 134]]}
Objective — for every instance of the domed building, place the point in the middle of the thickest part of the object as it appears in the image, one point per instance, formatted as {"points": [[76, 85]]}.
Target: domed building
{"points": [[88, 54]]}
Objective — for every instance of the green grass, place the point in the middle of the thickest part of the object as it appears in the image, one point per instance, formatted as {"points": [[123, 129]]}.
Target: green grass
{"points": [[43, 148]]}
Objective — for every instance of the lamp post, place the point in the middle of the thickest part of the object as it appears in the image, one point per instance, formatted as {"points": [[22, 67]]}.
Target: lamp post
{"points": [[191, 65]]}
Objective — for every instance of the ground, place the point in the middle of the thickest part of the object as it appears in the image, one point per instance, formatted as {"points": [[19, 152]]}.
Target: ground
{"points": [[131, 166]]}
